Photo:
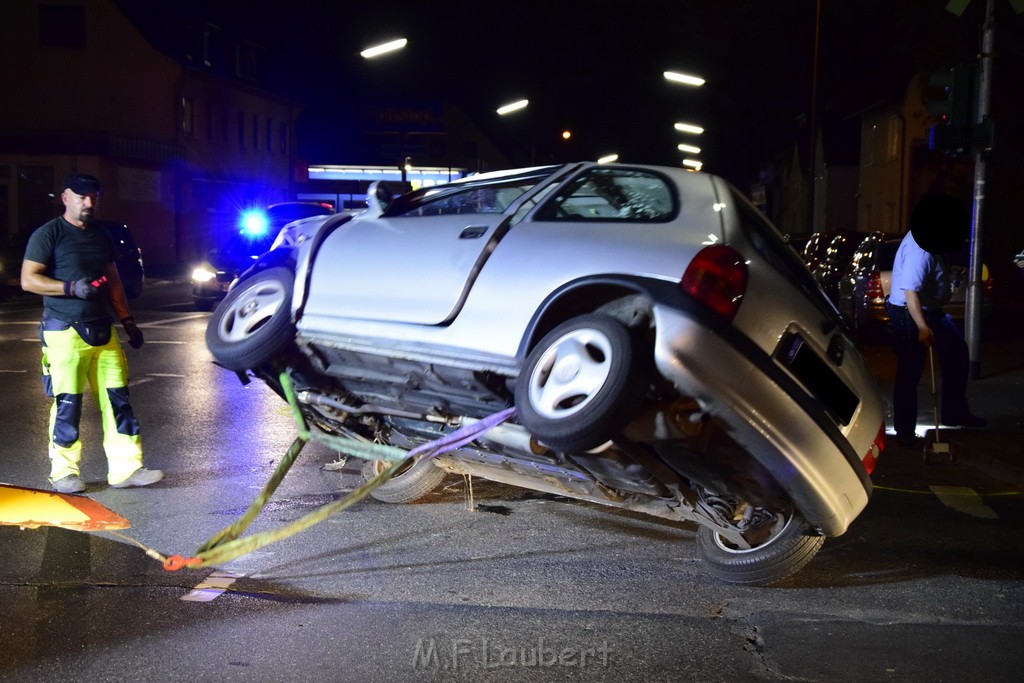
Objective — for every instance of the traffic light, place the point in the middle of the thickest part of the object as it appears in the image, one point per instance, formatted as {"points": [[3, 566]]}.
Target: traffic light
{"points": [[952, 97]]}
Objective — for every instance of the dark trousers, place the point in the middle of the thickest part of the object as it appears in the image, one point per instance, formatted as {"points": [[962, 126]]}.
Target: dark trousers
{"points": [[911, 356]]}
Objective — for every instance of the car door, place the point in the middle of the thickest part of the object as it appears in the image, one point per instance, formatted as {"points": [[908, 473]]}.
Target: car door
{"points": [[412, 268]]}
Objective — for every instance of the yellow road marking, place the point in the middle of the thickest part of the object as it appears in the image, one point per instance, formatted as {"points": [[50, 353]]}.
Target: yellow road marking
{"points": [[963, 499]]}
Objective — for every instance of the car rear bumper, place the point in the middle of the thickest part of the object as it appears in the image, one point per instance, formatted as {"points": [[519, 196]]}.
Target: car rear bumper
{"points": [[772, 415]]}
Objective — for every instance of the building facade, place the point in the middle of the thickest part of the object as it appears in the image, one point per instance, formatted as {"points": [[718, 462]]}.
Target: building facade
{"points": [[177, 141]]}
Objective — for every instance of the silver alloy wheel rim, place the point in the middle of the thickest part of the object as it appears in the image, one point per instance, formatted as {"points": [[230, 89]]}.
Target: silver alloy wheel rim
{"points": [[252, 310], [570, 373], [776, 533]]}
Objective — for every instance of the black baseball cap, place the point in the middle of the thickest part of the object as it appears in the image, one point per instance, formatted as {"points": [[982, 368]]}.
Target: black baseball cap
{"points": [[81, 183]]}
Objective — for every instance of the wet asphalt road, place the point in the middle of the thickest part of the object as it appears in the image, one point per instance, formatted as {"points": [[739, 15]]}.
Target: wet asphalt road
{"points": [[506, 585]]}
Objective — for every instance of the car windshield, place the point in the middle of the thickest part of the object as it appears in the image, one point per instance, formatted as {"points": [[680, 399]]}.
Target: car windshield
{"points": [[485, 195]]}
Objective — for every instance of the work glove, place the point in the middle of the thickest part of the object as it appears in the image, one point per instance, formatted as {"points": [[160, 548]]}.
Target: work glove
{"points": [[84, 288], [133, 331]]}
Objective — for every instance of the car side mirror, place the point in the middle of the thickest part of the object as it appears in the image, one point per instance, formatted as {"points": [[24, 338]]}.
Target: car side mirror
{"points": [[377, 198]]}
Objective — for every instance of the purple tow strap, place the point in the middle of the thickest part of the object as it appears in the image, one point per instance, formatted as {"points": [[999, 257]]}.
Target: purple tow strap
{"points": [[461, 436]]}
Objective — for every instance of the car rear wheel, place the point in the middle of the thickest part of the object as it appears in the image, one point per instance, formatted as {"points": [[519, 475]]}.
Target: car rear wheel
{"points": [[582, 383], [790, 544], [252, 325], [410, 483]]}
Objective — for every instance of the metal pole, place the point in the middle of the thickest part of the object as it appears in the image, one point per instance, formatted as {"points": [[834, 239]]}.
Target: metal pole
{"points": [[974, 293]]}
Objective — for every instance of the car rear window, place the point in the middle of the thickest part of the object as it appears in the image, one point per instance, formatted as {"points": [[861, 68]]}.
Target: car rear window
{"points": [[771, 245]]}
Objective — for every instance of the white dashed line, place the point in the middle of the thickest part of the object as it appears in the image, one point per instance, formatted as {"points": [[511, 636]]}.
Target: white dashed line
{"points": [[963, 499], [215, 584]]}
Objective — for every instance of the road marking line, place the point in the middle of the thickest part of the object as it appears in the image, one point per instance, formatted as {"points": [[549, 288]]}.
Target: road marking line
{"points": [[963, 499], [165, 374], [14, 371], [157, 341], [215, 584]]}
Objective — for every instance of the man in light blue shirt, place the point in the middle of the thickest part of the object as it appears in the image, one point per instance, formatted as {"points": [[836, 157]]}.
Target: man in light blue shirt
{"points": [[920, 287]]}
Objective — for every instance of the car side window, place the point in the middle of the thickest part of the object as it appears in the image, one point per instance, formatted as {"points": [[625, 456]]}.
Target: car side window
{"points": [[491, 198], [612, 194]]}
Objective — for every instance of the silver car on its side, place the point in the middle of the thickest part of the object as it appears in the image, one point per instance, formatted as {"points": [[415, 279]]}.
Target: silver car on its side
{"points": [[663, 347]]}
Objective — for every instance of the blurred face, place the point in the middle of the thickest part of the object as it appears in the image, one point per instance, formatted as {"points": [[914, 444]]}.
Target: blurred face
{"points": [[78, 208]]}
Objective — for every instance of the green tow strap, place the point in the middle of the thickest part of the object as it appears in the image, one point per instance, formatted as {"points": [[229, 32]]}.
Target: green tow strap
{"points": [[226, 545]]}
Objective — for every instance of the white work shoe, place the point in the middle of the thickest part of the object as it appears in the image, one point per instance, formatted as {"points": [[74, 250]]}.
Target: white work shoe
{"points": [[140, 477], [69, 484]]}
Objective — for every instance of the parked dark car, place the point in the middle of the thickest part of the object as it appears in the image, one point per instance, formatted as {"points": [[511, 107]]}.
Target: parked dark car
{"points": [[128, 257], [864, 287], [257, 229], [814, 249], [835, 261]]}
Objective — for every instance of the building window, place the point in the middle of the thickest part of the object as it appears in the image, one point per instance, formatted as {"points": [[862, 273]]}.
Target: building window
{"points": [[270, 135], [187, 116], [241, 129], [255, 132], [209, 122], [62, 25], [282, 138]]}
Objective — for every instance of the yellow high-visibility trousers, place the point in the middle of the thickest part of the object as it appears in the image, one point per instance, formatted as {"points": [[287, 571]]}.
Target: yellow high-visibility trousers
{"points": [[70, 364]]}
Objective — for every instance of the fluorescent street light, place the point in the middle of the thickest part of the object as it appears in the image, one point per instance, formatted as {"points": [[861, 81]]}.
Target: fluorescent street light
{"points": [[689, 128], [608, 159], [378, 50], [515, 106], [685, 79], [690, 149], [695, 164]]}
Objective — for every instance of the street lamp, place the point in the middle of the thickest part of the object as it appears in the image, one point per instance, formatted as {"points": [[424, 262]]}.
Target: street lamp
{"points": [[607, 159], [514, 106], [384, 48], [689, 149], [685, 79], [688, 128]]}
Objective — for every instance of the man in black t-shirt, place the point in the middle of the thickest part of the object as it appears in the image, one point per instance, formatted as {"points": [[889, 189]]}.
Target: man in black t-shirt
{"points": [[71, 264]]}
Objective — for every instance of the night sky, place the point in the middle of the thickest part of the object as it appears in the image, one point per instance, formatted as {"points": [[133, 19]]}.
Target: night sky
{"points": [[595, 67]]}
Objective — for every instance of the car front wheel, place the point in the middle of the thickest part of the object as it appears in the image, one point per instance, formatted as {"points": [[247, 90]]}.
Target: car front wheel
{"points": [[252, 325], [581, 384], [788, 545]]}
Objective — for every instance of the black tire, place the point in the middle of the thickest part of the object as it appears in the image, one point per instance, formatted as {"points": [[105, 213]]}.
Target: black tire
{"points": [[409, 484], [783, 554], [252, 325], [581, 383]]}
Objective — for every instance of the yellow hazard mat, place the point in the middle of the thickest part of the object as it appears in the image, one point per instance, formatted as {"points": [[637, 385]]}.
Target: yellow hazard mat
{"points": [[33, 508]]}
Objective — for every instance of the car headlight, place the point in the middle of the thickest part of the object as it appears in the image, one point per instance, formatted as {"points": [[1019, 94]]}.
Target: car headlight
{"points": [[203, 274]]}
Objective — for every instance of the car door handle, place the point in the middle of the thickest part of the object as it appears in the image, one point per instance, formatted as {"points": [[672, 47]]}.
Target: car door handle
{"points": [[472, 232]]}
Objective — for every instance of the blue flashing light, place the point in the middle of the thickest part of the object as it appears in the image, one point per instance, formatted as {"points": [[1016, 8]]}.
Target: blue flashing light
{"points": [[255, 223]]}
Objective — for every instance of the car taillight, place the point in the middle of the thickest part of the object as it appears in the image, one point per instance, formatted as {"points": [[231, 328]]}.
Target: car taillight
{"points": [[717, 277], [875, 451], [873, 292]]}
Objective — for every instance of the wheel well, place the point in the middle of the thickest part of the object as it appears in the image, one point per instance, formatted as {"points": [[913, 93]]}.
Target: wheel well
{"points": [[624, 303]]}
